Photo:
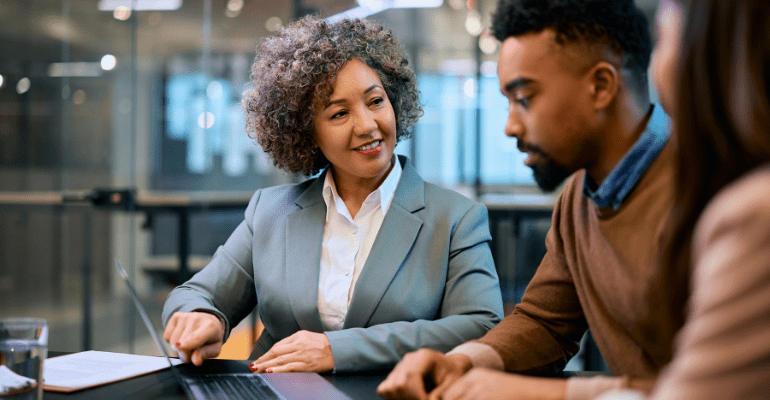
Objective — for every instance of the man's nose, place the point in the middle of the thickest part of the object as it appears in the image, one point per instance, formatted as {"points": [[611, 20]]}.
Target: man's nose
{"points": [[513, 126]]}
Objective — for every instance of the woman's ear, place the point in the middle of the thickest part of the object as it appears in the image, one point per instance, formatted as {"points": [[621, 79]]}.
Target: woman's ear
{"points": [[605, 79]]}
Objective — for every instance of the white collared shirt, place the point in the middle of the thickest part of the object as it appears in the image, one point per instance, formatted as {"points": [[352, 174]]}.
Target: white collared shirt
{"points": [[346, 245]]}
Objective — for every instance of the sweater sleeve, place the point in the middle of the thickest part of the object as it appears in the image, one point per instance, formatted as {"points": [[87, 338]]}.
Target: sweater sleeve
{"points": [[544, 330], [723, 350]]}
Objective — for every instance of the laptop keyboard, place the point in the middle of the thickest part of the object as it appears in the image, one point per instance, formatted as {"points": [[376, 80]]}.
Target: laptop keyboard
{"points": [[230, 386]]}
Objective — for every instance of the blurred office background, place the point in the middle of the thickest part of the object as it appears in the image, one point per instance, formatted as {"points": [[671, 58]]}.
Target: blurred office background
{"points": [[142, 97]]}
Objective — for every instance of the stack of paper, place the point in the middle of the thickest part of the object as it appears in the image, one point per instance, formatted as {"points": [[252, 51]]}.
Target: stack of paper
{"points": [[93, 368]]}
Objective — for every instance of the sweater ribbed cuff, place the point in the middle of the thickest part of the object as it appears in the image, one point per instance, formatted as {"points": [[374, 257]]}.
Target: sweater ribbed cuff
{"points": [[590, 388], [481, 355]]}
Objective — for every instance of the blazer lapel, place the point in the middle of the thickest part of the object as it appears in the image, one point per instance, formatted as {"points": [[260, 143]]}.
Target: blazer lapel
{"points": [[397, 234], [304, 236]]}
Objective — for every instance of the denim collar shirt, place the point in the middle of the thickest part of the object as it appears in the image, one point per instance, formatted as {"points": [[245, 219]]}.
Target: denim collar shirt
{"points": [[347, 242], [634, 164]]}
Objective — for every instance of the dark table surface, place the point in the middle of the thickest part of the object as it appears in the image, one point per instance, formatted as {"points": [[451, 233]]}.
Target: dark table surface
{"points": [[162, 385]]}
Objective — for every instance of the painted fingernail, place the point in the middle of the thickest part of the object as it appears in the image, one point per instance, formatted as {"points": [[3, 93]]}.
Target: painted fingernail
{"points": [[252, 367], [177, 344], [269, 371]]}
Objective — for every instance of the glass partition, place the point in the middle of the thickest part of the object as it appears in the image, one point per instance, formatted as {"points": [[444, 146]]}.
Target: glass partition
{"points": [[121, 135]]}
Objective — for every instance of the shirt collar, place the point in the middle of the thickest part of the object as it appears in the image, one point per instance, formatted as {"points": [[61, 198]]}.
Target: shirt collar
{"points": [[384, 193], [624, 177]]}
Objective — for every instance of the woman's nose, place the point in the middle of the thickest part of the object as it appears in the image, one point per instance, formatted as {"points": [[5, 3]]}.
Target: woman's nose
{"points": [[365, 123]]}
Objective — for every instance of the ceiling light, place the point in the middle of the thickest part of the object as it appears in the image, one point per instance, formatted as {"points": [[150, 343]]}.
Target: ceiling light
{"points": [[235, 5], [59, 28], [23, 85], [382, 4], [1, 81], [470, 87], [487, 43], [139, 5], [76, 69], [273, 24], [369, 7], [206, 120], [473, 23], [122, 13], [108, 62]]}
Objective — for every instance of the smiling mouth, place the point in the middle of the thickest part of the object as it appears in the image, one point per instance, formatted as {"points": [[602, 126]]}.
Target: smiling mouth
{"points": [[368, 146]]}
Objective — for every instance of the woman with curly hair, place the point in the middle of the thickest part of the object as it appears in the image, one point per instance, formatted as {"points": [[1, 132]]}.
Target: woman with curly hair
{"points": [[366, 262]]}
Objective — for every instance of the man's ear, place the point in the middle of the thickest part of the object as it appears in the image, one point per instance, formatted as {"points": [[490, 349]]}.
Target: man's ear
{"points": [[605, 82]]}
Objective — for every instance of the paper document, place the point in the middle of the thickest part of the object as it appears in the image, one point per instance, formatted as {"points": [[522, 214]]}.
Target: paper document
{"points": [[92, 368], [12, 383]]}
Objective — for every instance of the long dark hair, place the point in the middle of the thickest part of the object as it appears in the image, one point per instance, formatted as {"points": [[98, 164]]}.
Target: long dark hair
{"points": [[722, 123]]}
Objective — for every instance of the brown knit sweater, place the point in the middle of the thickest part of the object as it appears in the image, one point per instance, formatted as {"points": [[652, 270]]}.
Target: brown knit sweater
{"points": [[598, 273]]}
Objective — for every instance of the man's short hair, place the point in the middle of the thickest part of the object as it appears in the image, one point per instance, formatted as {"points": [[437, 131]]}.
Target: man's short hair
{"points": [[618, 24]]}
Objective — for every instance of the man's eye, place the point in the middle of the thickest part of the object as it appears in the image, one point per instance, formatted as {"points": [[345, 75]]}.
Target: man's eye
{"points": [[523, 101]]}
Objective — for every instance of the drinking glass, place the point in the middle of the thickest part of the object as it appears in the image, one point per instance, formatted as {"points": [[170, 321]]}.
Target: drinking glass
{"points": [[23, 347]]}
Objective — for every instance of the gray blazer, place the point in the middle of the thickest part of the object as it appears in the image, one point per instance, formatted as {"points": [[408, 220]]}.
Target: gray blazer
{"points": [[429, 280]]}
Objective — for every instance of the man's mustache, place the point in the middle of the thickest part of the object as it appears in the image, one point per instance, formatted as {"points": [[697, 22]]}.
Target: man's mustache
{"points": [[529, 148]]}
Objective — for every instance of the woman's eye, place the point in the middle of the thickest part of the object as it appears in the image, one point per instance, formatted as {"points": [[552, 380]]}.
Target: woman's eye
{"points": [[339, 114], [378, 100]]}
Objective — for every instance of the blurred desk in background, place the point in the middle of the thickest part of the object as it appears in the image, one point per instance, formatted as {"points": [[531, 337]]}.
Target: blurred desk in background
{"points": [[148, 203], [183, 206], [516, 219], [85, 202]]}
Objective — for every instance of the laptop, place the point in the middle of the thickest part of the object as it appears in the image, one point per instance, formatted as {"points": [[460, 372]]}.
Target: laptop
{"points": [[246, 385]]}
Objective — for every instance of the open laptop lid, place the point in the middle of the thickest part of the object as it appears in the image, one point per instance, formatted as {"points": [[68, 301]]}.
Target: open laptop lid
{"points": [[151, 329], [292, 385]]}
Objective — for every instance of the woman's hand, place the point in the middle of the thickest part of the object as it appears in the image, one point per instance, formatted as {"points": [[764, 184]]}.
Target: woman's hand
{"points": [[196, 335], [302, 351]]}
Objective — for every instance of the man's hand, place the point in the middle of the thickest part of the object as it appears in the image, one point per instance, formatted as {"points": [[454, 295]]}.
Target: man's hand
{"points": [[303, 351], [197, 336], [482, 384], [406, 379]]}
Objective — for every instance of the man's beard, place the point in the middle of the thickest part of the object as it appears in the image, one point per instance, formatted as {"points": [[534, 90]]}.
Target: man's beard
{"points": [[548, 174]]}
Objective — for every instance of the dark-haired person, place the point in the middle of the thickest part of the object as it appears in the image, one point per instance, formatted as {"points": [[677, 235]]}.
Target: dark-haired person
{"points": [[354, 268], [575, 76], [719, 96]]}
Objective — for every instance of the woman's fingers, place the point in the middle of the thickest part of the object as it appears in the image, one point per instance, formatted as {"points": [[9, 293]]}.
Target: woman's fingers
{"points": [[196, 335], [285, 346], [206, 352], [305, 351], [290, 367]]}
